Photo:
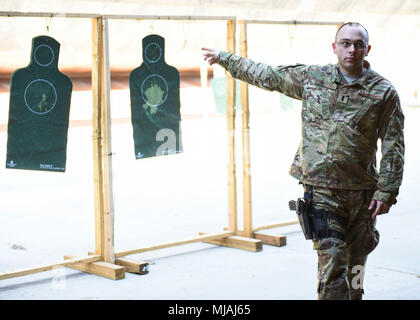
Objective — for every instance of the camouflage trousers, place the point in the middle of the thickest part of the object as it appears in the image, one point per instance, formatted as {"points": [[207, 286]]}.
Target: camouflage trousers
{"points": [[341, 263]]}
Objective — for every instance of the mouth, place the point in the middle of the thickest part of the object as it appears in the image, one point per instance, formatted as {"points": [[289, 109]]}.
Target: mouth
{"points": [[349, 59]]}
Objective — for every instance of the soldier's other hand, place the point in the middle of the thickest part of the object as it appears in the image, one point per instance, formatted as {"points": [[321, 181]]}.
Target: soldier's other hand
{"points": [[380, 208], [210, 55]]}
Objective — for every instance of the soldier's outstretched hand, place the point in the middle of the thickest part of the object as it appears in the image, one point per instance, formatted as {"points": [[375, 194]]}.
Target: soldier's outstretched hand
{"points": [[210, 55]]}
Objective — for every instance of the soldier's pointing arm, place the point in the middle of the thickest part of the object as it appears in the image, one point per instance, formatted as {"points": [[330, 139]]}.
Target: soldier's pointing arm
{"points": [[285, 79]]}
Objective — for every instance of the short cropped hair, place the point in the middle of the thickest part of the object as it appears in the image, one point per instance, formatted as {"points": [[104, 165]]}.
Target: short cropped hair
{"points": [[352, 24]]}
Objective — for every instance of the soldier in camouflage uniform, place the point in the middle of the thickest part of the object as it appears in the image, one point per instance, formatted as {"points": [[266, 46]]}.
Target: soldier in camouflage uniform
{"points": [[346, 108]]}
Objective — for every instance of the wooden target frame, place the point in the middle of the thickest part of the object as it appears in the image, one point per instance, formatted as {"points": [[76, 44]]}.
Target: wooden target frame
{"points": [[104, 261]]}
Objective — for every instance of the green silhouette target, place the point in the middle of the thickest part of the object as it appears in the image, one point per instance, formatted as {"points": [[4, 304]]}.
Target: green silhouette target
{"points": [[39, 111], [155, 103]]}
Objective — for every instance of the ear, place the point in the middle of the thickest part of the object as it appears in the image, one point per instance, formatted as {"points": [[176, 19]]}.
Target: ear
{"points": [[334, 48], [368, 49]]}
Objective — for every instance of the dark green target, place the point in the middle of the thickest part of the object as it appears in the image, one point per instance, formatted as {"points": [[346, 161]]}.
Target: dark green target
{"points": [[155, 104], [39, 111]]}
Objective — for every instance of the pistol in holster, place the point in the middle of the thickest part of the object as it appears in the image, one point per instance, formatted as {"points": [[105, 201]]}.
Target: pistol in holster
{"points": [[314, 222], [303, 210]]}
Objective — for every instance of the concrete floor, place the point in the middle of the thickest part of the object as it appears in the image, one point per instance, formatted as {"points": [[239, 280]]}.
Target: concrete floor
{"points": [[48, 215]]}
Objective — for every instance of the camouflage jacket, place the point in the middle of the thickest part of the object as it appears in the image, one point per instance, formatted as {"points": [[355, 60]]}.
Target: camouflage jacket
{"points": [[341, 124]]}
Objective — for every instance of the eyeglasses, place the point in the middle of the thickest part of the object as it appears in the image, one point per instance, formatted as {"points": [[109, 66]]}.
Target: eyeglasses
{"points": [[347, 44]]}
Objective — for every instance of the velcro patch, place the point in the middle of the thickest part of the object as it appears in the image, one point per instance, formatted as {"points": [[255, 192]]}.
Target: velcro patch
{"points": [[370, 95], [331, 86]]}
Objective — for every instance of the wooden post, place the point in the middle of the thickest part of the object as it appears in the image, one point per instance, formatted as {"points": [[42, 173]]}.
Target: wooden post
{"points": [[107, 152], [102, 161], [230, 117], [97, 63], [246, 150]]}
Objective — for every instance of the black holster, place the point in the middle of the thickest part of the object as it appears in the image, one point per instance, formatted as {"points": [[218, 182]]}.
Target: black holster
{"points": [[314, 222], [302, 208]]}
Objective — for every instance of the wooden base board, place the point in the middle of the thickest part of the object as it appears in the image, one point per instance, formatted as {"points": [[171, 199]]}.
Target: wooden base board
{"points": [[237, 242], [272, 240], [100, 268], [133, 266]]}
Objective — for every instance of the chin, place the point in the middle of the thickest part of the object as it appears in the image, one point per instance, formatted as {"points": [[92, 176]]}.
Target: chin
{"points": [[350, 66]]}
